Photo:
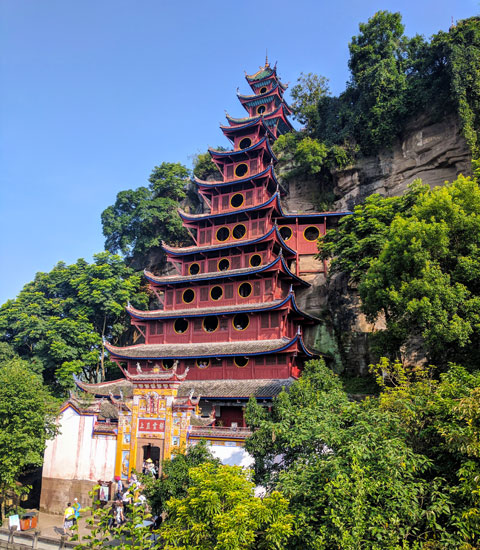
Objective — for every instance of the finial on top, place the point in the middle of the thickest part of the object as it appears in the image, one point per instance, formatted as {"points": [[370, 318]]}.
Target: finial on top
{"points": [[266, 58]]}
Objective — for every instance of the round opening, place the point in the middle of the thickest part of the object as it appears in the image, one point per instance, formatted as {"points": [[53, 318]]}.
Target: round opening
{"points": [[188, 295], [261, 109], [239, 231], [167, 364], [246, 142], [180, 326], [194, 269], [255, 260], [245, 289], [263, 90], [241, 361], [311, 233], [216, 293], [223, 233], [236, 200], [224, 265], [241, 321], [203, 363], [210, 324], [286, 233], [241, 170]]}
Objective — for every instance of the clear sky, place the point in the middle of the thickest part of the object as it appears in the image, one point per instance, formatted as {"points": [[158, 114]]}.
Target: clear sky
{"points": [[95, 93]]}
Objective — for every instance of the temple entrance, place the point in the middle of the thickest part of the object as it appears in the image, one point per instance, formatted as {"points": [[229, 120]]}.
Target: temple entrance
{"points": [[145, 451]]}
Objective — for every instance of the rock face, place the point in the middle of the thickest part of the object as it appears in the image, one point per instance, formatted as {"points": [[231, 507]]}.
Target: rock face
{"points": [[435, 152]]}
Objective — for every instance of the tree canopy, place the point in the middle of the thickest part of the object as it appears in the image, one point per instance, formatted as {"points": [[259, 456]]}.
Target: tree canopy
{"points": [[59, 320]]}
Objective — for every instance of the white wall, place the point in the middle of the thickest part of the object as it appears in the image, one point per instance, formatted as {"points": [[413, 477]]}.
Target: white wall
{"points": [[76, 454]]}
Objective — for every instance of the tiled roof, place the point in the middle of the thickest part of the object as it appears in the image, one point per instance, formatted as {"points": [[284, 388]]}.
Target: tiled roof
{"points": [[206, 349], [105, 388], [234, 388], [201, 311]]}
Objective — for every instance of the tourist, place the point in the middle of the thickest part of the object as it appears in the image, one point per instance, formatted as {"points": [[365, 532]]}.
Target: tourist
{"points": [[119, 488], [68, 519], [77, 507], [119, 513]]}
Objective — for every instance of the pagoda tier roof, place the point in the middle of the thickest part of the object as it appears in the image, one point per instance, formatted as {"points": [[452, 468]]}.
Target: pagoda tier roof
{"points": [[207, 216], [205, 350], [268, 116], [218, 275], [269, 171], [264, 72], [259, 120], [231, 389], [187, 250], [264, 142], [160, 314], [116, 388], [274, 90]]}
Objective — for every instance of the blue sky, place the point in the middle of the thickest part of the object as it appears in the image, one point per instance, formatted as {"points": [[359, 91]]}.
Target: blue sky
{"points": [[94, 93]]}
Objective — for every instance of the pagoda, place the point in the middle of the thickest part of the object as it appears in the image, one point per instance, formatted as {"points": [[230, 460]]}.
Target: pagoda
{"points": [[229, 326]]}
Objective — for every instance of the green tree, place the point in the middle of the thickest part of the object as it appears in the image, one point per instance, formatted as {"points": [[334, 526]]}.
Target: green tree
{"points": [[175, 478], [59, 320], [306, 94], [220, 512], [26, 422], [142, 218], [204, 168]]}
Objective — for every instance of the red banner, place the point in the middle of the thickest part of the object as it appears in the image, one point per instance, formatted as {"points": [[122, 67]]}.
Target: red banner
{"points": [[151, 425]]}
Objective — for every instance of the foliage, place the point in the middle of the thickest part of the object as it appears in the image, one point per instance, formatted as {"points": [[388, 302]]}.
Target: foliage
{"points": [[397, 471], [220, 512], [203, 166], [26, 422], [59, 320], [175, 478], [306, 94], [135, 533], [425, 280], [360, 237], [142, 218]]}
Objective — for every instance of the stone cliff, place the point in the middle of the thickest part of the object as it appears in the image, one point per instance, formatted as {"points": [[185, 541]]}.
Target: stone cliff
{"points": [[436, 152]]}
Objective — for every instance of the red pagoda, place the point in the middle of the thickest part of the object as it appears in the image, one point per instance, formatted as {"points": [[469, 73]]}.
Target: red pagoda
{"points": [[229, 323]]}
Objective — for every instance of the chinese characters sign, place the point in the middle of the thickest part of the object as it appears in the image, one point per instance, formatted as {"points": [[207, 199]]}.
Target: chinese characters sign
{"points": [[151, 425]]}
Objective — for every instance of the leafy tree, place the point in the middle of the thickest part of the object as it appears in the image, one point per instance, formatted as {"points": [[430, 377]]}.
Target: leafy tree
{"points": [[59, 320], [175, 479], [204, 168], [306, 94], [142, 218], [26, 422], [220, 512], [425, 280]]}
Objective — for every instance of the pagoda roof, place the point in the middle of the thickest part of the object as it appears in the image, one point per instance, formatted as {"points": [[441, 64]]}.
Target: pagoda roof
{"points": [[275, 89], [231, 389], [112, 387], [186, 250], [259, 145], [155, 352], [259, 120], [269, 171], [219, 310], [217, 275], [264, 72], [266, 116], [207, 216]]}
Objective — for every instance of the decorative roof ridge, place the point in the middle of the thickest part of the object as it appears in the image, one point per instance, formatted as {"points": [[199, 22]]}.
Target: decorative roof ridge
{"points": [[216, 153], [184, 215], [266, 67], [258, 96], [265, 116], [218, 310]]}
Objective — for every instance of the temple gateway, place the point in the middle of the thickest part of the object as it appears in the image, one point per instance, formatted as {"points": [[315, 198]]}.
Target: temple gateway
{"points": [[228, 328]]}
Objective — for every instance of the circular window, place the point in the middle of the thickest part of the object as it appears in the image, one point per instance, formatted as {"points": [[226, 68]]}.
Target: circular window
{"points": [[237, 200], [241, 170], [223, 233], [224, 265], [194, 269], [311, 233], [216, 293], [210, 324], [241, 321], [255, 260], [244, 143], [241, 361], [167, 364], [180, 326], [188, 295], [286, 233], [239, 231], [263, 90], [261, 109], [245, 289], [203, 363]]}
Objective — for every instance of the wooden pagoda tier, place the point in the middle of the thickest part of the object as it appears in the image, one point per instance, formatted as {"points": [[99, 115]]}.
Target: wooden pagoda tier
{"points": [[227, 310]]}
